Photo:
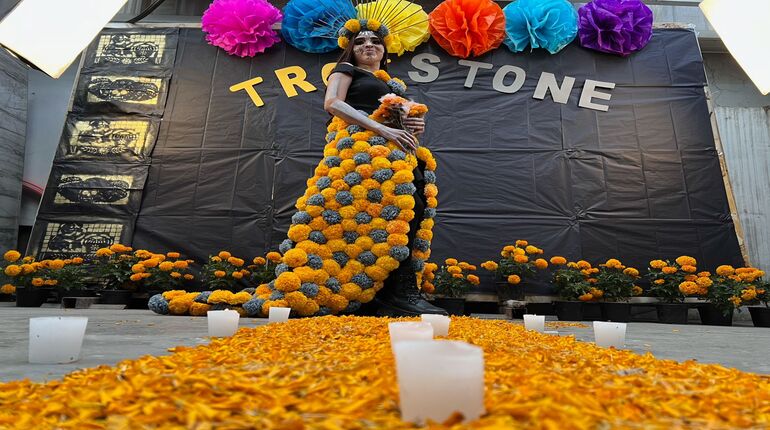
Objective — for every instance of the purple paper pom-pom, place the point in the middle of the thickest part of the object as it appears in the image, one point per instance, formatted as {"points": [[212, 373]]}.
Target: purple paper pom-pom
{"points": [[615, 26], [241, 27]]}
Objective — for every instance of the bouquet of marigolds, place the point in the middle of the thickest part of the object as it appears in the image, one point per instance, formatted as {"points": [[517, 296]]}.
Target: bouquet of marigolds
{"points": [[455, 279], [263, 268], [673, 281], [517, 263], [223, 272], [572, 280], [16, 272], [732, 288], [113, 267], [616, 281], [165, 272]]}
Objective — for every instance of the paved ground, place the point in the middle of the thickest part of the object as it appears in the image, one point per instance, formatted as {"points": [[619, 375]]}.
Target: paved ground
{"points": [[114, 335]]}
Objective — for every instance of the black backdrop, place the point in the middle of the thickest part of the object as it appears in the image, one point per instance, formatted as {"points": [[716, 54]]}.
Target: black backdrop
{"points": [[637, 182]]}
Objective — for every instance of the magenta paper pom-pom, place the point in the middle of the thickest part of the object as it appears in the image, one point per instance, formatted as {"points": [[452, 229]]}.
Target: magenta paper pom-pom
{"points": [[241, 27]]}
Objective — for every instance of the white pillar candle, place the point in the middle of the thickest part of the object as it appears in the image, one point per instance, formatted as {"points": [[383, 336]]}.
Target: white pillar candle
{"points": [[438, 378], [223, 323], [55, 340], [402, 331], [440, 323], [534, 322], [607, 334], [278, 315]]}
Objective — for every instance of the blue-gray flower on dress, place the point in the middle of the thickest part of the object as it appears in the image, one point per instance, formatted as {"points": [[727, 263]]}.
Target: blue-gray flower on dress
{"points": [[362, 280], [354, 128], [350, 236], [345, 143], [316, 200], [374, 196], [203, 297], [314, 261], [396, 154], [280, 268], [309, 289], [333, 284], [344, 198], [286, 245], [418, 264], [352, 307], [158, 304], [363, 218], [378, 235], [407, 188], [341, 258], [219, 306], [333, 161], [317, 237], [277, 295], [323, 311], [330, 136], [377, 140], [367, 258], [430, 212], [323, 182], [430, 176], [421, 244], [362, 158], [399, 252], [302, 217], [331, 216], [353, 178], [382, 175], [390, 212], [253, 307]]}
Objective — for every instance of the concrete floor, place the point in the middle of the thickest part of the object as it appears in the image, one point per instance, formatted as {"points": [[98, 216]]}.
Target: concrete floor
{"points": [[116, 334]]}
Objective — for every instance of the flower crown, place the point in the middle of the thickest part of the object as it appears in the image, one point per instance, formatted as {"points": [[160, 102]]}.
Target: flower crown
{"points": [[354, 26]]}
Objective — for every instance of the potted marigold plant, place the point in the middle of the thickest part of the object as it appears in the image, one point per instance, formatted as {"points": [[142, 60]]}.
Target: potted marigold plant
{"points": [[263, 268], [672, 282], [223, 272], [71, 278], [570, 281], [17, 275], [725, 295], [112, 267], [170, 273], [516, 264], [451, 283], [616, 282], [760, 315]]}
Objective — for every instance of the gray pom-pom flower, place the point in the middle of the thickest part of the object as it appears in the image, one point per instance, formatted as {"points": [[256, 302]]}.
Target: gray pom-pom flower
{"points": [[277, 295], [309, 289], [286, 245], [280, 268], [333, 161], [253, 307], [367, 258], [362, 280], [390, 212], [396, 87], [314, 261], [353, 306], [407, 188], [203, 297], [418, 264], [430, 212], [345, 143], [350, 236], [341, 258], [396, 154], [344, 198], [323, 182], [317, 237], [399, 252], [421, 244], [354, 128], [158, 304], [316, 200], [323, 311], [374, 196], [379, 236], [377, 140], [382, 175], [353, 178], [331, 216], [430, 176], [302, 217], [363, 218], [330, 136], [333, 284], [362, 158]]}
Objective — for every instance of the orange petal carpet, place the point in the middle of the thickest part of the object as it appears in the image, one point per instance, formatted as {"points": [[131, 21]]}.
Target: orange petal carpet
{"points": [[338, 373]]}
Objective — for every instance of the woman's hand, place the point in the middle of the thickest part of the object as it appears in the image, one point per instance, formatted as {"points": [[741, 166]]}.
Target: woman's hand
{"points": [[402, 138], [417, 125]]}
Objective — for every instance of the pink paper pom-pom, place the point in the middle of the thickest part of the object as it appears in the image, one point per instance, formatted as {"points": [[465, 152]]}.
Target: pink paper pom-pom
{"points": [[241, 27]]}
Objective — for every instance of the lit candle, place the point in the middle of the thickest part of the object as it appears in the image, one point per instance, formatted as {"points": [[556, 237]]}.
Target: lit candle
{"points": [[534, 322], [609, 334], [402, 331], [278, 315], [440, 323], [55, 340], [222, 323], [438, 378]]}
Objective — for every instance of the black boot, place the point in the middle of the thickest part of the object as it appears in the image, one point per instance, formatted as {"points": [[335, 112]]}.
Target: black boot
{"points": [[401, 298]]}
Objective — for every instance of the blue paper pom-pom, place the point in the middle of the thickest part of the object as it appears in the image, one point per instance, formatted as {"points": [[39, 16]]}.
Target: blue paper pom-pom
{"points": [[286, 245], [253, 307], [548, 24], [158, 304], [311, 25]]}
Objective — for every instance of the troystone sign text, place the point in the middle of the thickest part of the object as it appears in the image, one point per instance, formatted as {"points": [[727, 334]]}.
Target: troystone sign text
{"points": [[507, 79]]}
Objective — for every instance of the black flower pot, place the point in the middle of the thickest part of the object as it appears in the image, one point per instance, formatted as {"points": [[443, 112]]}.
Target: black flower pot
{"points": [[6, 297], [616, 312], [31, 297], [710, 315], [568, 311], [506, 291], [672, 313], [760, 316], [453, 306], [115, 297], [592, 311]]}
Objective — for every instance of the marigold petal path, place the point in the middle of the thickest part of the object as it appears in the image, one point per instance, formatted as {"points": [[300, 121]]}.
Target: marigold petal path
{"points": [[338, 373]]}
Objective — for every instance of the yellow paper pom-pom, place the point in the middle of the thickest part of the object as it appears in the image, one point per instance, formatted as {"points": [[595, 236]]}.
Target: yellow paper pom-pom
{"points": [[295, 257], [288, 281], [343, 42], [353, 25]]}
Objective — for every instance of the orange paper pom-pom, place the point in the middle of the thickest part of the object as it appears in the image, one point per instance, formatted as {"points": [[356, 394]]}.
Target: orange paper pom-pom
{"points": [[467, 27]]}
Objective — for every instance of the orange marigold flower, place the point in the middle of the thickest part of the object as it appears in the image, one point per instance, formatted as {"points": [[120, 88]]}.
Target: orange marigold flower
{"points": [[541, 263], [725, 270], [558, 261], [520, 258], [220, 273], [514, 279], [587, 297], [490, 265], [11, 256], [658, 264]]}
